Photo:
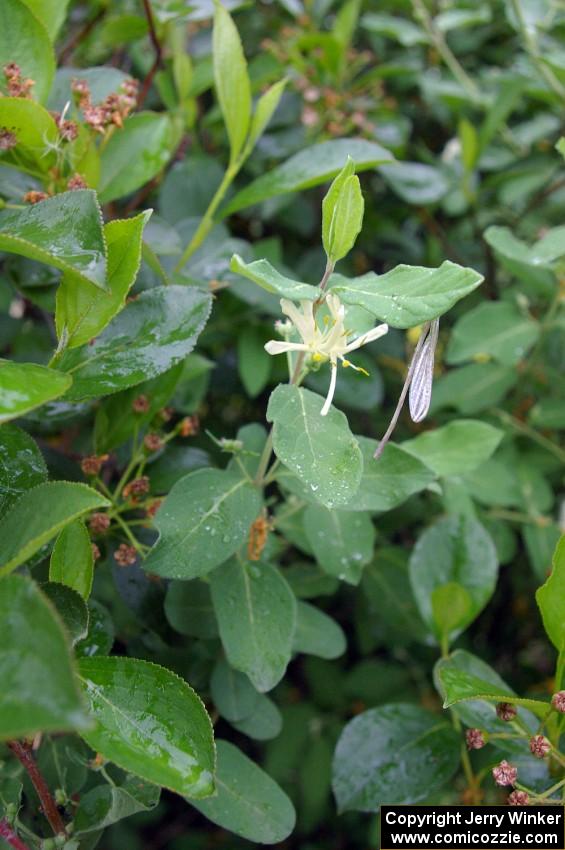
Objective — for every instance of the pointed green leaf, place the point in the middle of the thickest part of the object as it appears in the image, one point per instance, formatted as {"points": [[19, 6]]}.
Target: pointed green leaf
{"points": [[347, 219], [38, 515], [205, 518], [308, 168], [24, 40], [25, 386], [330, 201], [456, 448], [408, 295], [320, 450], [39, 691], [264, 111], [64, 231], [107, 804], [149, 722], [72, 561], [21, 465], [82, 309], [256, 612], [150, 335], [534, 263], [459, 685], [71, 608], [551, 599], [248, 803], [232, 80], [266, 276]]}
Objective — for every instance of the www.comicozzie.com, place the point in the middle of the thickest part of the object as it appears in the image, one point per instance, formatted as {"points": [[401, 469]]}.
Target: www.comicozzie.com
{"points": [[461, 827]]}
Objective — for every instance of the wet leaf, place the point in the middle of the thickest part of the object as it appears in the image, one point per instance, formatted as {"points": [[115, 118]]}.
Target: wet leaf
{"points": [[149, 722], [107, 804], [71, 608], [72, 561], [25, 386], [342, 542], [21, 465], [24, 40]]}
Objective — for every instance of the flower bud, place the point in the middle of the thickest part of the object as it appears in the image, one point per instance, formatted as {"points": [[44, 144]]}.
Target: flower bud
{"points": [[505, 773], [506, 711]]}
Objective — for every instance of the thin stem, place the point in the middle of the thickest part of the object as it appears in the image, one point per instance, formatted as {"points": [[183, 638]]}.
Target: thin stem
{"points": [[207, 220], [401, 399], [8, 834], [466, 761], [139, 547], [25, 756], [527, 431], [265, 458], [442, 47], [532, 49], [158, 53]]}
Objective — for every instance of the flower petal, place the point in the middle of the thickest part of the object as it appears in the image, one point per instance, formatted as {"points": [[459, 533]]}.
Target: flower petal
{"points": [[276, 346], [370, 336], [331, 391]]}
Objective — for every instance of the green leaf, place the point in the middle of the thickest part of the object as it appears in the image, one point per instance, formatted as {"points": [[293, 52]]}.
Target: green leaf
{"points": [[107, 804], [147, 338], [24, 40], [51, 13], [451, 608], [415, 182], [25, 386], [149, 722], [264, 111], [308, 168], [189, 609], [316, 633], [389, 597], [100, 637], [233, 694], [551, 599], [401, 30], [407, 754], [533, 264], [39, 688], [82, 309], [136, 154], [21, 465], [320, 450], [473, 388], [391, 480], [231, 79], [330, 201], [408, 295], [479, 714], [458, 685], [205, 519], [342, 542], [263, 273], [64, 231], [253, 362], [248, 803], [256, 612], [35, 131], [71, 608], [497, 329], [72, 561], [264, 722], [38, 515], [454, 549], [347, 219], [457, 447]]}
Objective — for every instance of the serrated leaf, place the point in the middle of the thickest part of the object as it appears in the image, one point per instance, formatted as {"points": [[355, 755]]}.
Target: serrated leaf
{"points": [[64, 231], [408, 295], [38, 515], [72, 561], [21, 465], [248, 803], [148, 337], [40, 691], [104, 805], [320, 450], [266, 276], [456, 448], [82, 310], [407, 754], [24, 40], [205, 518], [25, 386], [308, 168], [459, 685], [256, 613], [149, 722], [231, 79]]}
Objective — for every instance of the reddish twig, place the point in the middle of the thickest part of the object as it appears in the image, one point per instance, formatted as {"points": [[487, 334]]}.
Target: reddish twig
{"points": [[158, 54], [79, 36], [8, 834], [25, 756]]}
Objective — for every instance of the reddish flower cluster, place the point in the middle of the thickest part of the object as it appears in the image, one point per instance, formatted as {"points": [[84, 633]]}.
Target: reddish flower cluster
{"points": [[506, 711], [125, 555], [505, 773], [136, 488], [99, 523], [140, 404], [95, 551], [34, 197], [113, 109], [518, 798], [539, 746], [189, 426], [152, 442], [152, 509], [558, 701], [92, 464], [76, 182], [18, 86], [7, 139], [475, 739]]}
